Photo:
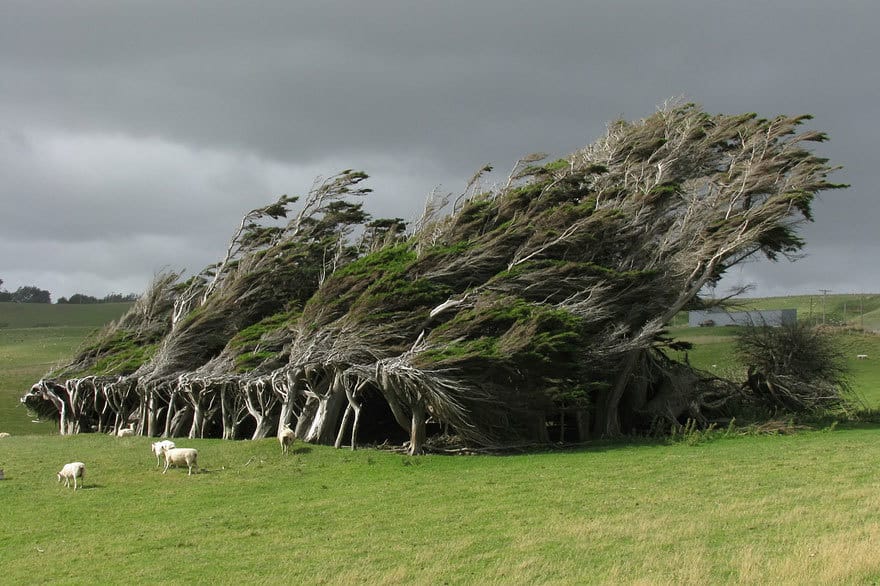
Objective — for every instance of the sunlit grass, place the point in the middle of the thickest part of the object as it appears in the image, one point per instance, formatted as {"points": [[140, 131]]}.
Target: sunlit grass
{"points": [[26, 354], [749, 509], [782, 509]]}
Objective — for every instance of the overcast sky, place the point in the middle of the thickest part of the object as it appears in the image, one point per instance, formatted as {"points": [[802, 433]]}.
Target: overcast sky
{"points": [[134, 135]]}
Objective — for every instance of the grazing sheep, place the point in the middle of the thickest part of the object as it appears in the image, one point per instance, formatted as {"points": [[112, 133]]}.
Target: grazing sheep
{"points": [[285, 438], [73, 470], [126, 432], [159, 448], [4, 434], [179, 456], [861, 356]]}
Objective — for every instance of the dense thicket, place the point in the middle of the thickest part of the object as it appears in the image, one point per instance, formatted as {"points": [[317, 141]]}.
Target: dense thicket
{"points": [[532, 311], [793, 368]]}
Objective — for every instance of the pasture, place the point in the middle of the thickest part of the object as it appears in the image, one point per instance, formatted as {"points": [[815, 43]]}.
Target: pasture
{"points": [[751, 509], [737, 507], [34, 337]]}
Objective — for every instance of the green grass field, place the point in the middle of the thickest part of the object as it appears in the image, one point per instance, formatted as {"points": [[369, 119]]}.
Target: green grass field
{"points": [[755, 509], [744, 508], [860, 310], [714, 351], [33, 338], [44, 315]]}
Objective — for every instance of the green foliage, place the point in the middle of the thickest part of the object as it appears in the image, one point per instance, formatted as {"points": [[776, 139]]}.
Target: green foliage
{"points": [[557, 165], [558, 284], [123, 357], [394, 259], [484, 347], [397, 292], [261, 341], [250, 360], [246, 339], [438, 253], [28, 294], [475, 209], [531, 336], [379, 285]]}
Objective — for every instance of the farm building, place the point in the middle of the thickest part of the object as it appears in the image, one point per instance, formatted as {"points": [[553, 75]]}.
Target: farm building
{"points": [[770, 317]]}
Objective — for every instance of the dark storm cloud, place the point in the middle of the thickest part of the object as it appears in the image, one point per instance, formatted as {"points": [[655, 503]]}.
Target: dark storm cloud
{"points": [[170, 119]]}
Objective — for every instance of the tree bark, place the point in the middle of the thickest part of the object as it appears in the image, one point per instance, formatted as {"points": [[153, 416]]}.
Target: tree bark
{"points": [[152, 414], [169, 417], [612, 417], [179, 421], [417, 430], [306, 417], [195, 430], [323, 426], [340, 436], [264, 427]]}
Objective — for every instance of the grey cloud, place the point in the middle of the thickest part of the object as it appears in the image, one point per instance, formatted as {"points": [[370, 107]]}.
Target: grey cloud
{"points": [[229, 103]]}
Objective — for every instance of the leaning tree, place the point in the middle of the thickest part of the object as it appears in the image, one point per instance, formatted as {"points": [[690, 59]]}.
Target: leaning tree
{"points": [[531, 309]]}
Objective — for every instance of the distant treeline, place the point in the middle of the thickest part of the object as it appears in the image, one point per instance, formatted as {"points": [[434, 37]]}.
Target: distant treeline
{"points": [[32, 294], [111, 298], [28, 294]]}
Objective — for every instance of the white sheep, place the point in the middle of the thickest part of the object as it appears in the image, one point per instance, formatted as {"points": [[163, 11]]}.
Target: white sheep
{"points": [[159, 448], [125, 432], [5, 434], [861, 356], [179, 456], [73, 470], [285, 438]]}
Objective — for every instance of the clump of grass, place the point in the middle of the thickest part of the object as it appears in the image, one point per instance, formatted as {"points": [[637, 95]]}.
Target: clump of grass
{"points": [[691, 434]]}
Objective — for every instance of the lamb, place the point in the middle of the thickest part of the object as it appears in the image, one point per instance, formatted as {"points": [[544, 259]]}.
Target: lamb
{"points": [[178, 456], [861, 356], [285, 438], [73, 470], [126, 432], [5, 434], [159, 448]]}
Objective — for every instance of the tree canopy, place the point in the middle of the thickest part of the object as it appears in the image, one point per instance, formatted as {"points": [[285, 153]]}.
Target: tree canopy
{"points": [[26, 294], [531, 308]]}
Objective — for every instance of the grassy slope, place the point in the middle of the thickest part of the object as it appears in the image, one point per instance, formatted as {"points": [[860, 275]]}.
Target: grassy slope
{"points": [[855, 309], [785, 509], [41, 315], [33, 338]]}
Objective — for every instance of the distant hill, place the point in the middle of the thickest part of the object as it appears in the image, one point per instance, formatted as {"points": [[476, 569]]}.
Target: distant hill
{"points": [[45, 315], [859, 310]]}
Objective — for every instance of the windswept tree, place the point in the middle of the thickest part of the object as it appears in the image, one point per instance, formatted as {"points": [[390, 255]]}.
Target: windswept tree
{"points": [[267, 269], [532, 311]]}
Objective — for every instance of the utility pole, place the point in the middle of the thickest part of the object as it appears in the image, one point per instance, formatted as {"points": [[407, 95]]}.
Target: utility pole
{"points": [[824, 292], [861, 314]]}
